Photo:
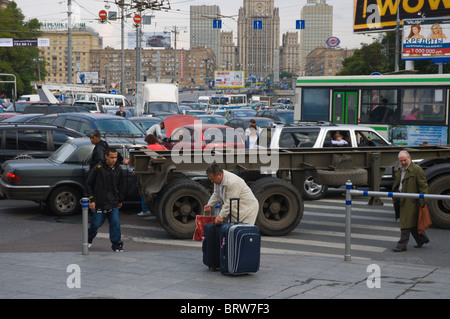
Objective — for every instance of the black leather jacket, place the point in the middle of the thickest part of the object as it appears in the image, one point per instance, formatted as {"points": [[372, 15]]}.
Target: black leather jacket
{"points": [[105, 185]]}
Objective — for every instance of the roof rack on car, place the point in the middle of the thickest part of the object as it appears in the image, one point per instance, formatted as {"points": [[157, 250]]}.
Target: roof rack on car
{"points": [[28, 124], [124, 134], [306, 123]]}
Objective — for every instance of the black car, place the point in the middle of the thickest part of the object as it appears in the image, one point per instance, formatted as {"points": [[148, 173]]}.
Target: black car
{"points": [[60, 180], [279, 116], [31, 140]]}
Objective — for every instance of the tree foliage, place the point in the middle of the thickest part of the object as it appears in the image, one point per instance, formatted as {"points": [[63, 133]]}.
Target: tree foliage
{"points": [[380, 57], [18, 60]]}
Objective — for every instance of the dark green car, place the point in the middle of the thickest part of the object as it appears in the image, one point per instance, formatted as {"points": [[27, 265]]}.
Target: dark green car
{"points": [[59, 181]]}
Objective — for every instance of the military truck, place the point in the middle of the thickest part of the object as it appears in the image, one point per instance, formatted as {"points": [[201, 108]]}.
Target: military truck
{"points": [[176, 188]]}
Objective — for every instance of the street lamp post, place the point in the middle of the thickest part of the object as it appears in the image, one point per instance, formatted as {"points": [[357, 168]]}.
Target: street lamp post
{"points": [[38, 60], [397, 38], [135, 4]]}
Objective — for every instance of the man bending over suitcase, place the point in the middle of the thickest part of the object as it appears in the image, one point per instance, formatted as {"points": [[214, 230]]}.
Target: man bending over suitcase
{"points": [[228, 185]]}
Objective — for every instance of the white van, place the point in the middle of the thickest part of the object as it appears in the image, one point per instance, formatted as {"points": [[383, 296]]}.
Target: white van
{"points": [[203, 99], [30, 97], [160, 98], [110, 100]]}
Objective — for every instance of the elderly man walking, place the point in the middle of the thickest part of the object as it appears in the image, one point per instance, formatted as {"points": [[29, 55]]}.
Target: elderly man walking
{"points": [[410, 178]]}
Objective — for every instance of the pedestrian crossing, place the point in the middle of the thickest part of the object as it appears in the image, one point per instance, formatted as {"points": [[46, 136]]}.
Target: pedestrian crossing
{"points": [[320, 233]]}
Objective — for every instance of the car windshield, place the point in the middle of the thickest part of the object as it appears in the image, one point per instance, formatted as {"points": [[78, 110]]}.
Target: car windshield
{"points": [[145, 125], [154, 107], [221, 135], [242, 113], [213, 119], [63, 153], [260, 121], [89, 106], [287, 117], [119, 127], [19, 107]]}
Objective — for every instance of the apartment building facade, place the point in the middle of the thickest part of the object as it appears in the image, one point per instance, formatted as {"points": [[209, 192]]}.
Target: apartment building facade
{"points": [[84, 40], [326, 61], [318, 16]]}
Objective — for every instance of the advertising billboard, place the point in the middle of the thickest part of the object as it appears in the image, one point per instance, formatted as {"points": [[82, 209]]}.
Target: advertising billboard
{"points": [[39, 42], [426, 39], [381, 15], [149, 40], [229, 79], [87, 77]]}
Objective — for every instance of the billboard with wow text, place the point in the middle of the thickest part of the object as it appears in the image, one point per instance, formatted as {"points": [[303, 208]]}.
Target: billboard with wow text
{"points": [[381, 15]]}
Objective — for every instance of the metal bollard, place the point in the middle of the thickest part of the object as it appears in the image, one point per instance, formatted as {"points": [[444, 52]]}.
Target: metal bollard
{"points": [[84, 210], [348, 221]]}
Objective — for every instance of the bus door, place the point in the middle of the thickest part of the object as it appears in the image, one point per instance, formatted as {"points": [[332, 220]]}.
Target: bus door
{"points": [[345, 107]]}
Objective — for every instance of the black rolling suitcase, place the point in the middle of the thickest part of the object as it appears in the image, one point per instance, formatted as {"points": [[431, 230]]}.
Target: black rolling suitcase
{"points": [[211, 246], [240, 246]]}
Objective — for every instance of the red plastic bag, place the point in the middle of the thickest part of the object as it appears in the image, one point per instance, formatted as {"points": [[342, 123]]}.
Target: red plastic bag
{"points": [[200, 222], [424, 219]]}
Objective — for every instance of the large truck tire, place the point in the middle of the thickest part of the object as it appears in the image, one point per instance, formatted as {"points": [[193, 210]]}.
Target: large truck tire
{"points": [[439, 209], [280, 206], [177, 205]]}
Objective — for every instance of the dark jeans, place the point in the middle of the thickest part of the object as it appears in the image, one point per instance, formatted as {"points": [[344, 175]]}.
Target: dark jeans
{"points": [[404, 237], [114, 225]]}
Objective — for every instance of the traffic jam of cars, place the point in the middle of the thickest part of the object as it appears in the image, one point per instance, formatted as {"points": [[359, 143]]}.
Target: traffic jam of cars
{"points": [[45, 148]]}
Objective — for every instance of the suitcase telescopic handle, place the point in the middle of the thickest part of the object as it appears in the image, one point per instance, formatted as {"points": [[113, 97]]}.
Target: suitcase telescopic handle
{"points": [[231, 207]]}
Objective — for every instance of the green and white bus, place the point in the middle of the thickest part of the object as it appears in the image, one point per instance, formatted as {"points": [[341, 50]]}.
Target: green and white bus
{"points": [[405, 109]]}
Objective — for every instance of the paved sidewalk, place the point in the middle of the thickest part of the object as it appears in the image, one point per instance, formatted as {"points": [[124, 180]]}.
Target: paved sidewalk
{"points": [[182, 275]]}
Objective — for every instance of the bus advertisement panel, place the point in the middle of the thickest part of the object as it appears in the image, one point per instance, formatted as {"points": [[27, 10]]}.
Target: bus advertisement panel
{"points": [[426, 39]]}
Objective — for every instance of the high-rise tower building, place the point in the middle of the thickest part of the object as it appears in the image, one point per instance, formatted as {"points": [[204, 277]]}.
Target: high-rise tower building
{"points": [[318, 18], [202, 33], [259, 38]]}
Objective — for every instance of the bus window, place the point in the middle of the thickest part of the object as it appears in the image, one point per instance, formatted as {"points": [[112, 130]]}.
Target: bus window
{"points": [[425, 105], [238, 99], [379, 106], [315, 105]]}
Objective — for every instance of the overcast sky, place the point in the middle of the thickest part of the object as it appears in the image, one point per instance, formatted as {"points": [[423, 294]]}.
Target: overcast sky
{"points": [[56, 11]]}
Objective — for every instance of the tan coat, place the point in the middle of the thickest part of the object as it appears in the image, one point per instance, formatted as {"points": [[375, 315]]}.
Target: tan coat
{"points": [[235, 187]]}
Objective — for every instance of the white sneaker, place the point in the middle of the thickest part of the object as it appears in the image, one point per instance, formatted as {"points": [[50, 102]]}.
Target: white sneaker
{"points": [[144, 213]]}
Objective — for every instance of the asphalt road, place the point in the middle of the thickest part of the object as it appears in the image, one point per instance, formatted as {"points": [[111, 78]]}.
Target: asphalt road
{"points": [[25, 228]]}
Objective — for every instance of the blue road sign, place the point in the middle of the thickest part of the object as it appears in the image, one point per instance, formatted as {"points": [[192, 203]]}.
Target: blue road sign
{"points": [[62, 97], [113, 92], [217, 24], [257, 24], [300, 24]]}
